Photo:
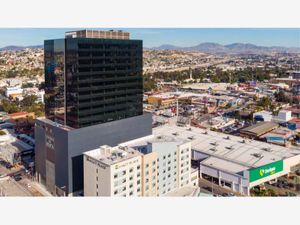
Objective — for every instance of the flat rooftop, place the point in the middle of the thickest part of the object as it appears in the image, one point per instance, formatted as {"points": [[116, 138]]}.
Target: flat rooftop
{"points": [[227, 151], [112, 155], [158, 138], [101, 34]]}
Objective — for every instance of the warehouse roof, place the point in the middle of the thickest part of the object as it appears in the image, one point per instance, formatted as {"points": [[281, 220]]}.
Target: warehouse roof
{"points": [[259, 128], [237, 150]]}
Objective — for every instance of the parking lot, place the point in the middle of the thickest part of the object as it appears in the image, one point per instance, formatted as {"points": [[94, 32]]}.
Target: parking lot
{"points": [[207, 186], [10, 187]]}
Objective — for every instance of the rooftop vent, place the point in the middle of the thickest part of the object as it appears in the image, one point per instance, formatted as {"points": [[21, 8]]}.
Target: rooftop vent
{"points": [[213, 149], [191, 138], [175, 134], [214, 143], [267, 149], [257, 155], [205, 132], [189, 129], [230, 147]]}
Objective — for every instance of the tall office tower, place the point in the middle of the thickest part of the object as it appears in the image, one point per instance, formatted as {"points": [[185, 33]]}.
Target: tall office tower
{"points": [[93, 97], [93, 77]]}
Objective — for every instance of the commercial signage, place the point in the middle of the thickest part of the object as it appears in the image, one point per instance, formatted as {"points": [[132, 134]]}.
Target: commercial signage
{"points": [[94, 161], [265, 171]]}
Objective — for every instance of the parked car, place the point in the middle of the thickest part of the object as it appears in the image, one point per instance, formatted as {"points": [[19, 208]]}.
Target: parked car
{"points": [[17, 178]]}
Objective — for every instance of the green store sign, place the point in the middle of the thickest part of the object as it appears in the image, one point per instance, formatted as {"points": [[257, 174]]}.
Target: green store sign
{"points": [[265, 171]]}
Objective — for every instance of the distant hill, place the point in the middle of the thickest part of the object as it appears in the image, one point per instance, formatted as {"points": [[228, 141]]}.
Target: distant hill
{"points": [[19, 48], [235, 48]]}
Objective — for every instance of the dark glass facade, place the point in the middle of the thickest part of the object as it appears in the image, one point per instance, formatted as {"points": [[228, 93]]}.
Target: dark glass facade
{"points": [[90, 81]]}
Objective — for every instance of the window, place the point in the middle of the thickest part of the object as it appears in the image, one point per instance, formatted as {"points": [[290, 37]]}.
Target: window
{"points": [[116, 175], [138, 182], [97, 193], [175, 153], [169, 155], [139, 174], [147, 180], [97, 186], [147, 173], [169, 168], [124, 180], [153, 170], [138, 167], [131, 193], [116, 192], [147, 165], [164, 157], [130, 178], [169, 175], [96, 178], [131, 185], [147, 187], [96, 170], [124, 189], [131, 170], [169, 162], [153, 163], [139, 189], [123, 172]]}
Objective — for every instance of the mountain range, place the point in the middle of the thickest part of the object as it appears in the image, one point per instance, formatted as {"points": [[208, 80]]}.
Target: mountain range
{"points": [[19, 48], [206, 47], [235, 48]]}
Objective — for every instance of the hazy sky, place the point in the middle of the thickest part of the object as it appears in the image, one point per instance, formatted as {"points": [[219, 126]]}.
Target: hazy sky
{"points": [[157, 36]]}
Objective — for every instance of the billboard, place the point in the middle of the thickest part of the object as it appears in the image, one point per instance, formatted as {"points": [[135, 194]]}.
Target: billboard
{"points": [[265, 171]]}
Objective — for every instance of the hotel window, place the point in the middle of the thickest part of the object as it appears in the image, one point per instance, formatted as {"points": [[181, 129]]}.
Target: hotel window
{"points": [[147, 180], [147, 173], [169, 162], [147, 165], [97, 186], [116, 175], [139, 189], [138, 167], [131, 185], [96, 170], [153, 170], [164, 157], [131, 193], [123, 172], [139, 174], [130, 178], [138, 182], [131, 170], [153, 163], [169, 155], [96, 178]]}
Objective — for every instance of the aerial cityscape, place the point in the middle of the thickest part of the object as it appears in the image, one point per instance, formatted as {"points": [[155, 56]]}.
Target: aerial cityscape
{"points": [[135, 113]]}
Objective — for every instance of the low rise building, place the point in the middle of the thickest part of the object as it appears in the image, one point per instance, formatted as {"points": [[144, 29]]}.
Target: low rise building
{"points": [[258, 129], [112, 171], [149, 166]]}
